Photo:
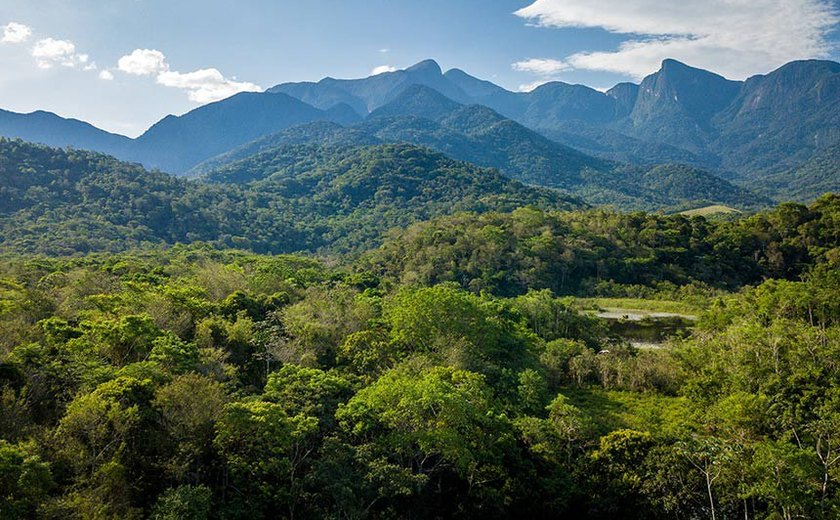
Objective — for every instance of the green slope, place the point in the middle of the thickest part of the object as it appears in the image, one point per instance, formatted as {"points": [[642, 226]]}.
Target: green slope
{"points": [[63, 201]]}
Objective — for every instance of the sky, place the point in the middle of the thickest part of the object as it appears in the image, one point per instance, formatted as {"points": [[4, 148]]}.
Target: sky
{"points": [[124, 64]]}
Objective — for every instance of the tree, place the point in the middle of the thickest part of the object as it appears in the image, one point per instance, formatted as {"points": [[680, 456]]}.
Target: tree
{"points": [[174, 354], [439, 424], [25, 480], [263, 449], [708, 456], [459, 328], [183, 503], [567, 422], [189, 407], [307, 391], [783, 476], [619, 474]]}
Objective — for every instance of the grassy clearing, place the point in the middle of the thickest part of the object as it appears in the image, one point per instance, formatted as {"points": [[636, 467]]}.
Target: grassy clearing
{"points": [[709, 210], [641, 305]]}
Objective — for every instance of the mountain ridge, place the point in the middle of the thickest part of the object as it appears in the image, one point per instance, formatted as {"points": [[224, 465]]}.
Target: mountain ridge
{"points": [[745, 131], [480, 136]]}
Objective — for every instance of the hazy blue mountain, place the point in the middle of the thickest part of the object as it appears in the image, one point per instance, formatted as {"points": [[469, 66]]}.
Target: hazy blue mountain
{"points": [[52, 130], [324, 95], [675, 106], [479, 135], [176, 144], [782, 119], [745, 130], [625, 96], [482, 92], [558, 102], [749, 132], [367, 94], [419, 101], [343, 114]]}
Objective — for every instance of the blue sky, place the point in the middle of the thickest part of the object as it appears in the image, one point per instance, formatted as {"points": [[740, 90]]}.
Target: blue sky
{"points": [[94, 59]]}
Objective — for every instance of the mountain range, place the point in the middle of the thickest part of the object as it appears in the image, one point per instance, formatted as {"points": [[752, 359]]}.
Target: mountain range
{"points": [[763, 137]]}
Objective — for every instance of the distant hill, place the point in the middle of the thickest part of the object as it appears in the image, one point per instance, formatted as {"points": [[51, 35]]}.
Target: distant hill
{"points": [[176, 144], [418, 101], [477, 134], [67, 201], [52, 130], [820, 174], [323, 133], [364, 191]]}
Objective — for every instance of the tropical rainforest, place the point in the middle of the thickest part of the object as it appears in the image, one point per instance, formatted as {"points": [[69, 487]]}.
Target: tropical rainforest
{"points": [[419, 295], [457, 368]]}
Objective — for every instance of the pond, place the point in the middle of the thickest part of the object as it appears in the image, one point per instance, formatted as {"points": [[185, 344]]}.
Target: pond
{"points": [[645, 329]]}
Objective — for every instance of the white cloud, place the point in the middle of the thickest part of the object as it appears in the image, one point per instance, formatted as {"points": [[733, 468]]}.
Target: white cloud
{"points": [[106, 75], [737, 38], [143, 62], [382, 69], [50, 52], [528, 87], [384, 50], [201, 86], [15, 33], [542, 67], [205, 85]]}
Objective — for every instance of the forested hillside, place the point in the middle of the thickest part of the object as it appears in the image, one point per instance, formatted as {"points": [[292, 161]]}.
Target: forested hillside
{"points": [[65, 201], [773, 136], [587, 252], [484, 138], [419, 294], [198, 383]]}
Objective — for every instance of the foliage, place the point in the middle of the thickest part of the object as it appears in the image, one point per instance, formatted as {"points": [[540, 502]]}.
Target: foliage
{"points": [[592, 252], [304, 199], [191, 382]]}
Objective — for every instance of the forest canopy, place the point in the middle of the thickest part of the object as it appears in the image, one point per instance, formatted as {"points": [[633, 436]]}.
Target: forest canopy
{"points": [[450, 373]]}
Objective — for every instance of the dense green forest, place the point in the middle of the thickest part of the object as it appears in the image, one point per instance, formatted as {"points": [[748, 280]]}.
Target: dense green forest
{"points": [[587, 252], [451, 372], [309, 199]]}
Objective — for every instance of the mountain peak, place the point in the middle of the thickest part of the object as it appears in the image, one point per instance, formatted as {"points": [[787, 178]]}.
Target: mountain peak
{"points": [[681, 100], [670, 63], [426, 66], [677, 70]]}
